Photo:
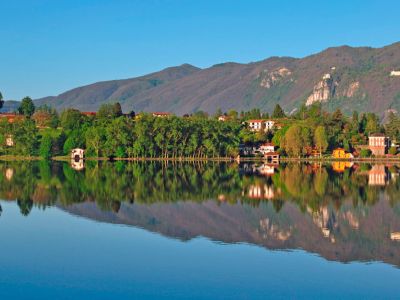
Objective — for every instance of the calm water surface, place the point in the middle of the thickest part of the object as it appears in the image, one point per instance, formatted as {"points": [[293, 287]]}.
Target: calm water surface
{"points": [[199, 230]]}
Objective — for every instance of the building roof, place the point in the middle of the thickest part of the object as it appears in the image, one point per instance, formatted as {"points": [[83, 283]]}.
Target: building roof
{"points": [[378, 134], [255, 121], [268, 144], [88, 113], [11, 117], [161, 113], [271, 153]]}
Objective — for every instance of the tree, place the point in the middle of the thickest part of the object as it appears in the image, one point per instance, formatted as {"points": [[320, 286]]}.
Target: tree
{"points": [[292, 141], [109, 111], [218, 113], [132, 114], [393, 150], [355, 121], [25, 136], [321, 139], [117, 110], [233, 114], [372, 125], [392, 127], [27, 107], [94, 140], [200, 114], [278, 112], [71, 119], [45, 146], [1, 100], [45, 116], [365, 153]]}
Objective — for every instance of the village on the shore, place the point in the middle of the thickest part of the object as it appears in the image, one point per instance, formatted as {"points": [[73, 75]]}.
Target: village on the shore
{"points": [[308, 133]]}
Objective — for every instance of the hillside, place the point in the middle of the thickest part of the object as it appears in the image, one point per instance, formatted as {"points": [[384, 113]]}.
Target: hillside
{"points": [[345, 77]]}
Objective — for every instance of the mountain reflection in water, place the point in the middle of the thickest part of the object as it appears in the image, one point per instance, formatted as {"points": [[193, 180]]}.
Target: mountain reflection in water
{"points": [[342, 211]]}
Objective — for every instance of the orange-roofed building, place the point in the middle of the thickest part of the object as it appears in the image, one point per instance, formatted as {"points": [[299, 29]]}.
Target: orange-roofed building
{"points": [[89, 113], [11, 117]]}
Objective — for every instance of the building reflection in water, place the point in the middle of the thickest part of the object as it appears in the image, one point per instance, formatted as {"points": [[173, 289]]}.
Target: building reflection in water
{"points": [[395, 236], [341, 166], [9, 174], [259, 191], [77, 165], [266, 169], [378, 175]]}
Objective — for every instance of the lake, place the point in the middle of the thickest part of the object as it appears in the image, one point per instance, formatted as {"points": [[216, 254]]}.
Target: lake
{"points": [[197, 230]]}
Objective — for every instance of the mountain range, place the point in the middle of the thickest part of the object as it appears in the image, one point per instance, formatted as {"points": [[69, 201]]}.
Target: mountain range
{"points": [[362, 78]]}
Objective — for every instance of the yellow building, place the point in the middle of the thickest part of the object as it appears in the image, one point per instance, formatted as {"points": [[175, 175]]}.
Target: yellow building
{"points": [[340, 153], [341, 166]]}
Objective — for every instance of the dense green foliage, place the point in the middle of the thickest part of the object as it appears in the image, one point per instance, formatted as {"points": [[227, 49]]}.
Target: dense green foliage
{"points": [[110, 133]]}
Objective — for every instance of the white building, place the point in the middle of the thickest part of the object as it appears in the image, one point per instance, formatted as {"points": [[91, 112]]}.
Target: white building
{"points": [[258, 125], [266, 148], [9, 141], [395, 73]]}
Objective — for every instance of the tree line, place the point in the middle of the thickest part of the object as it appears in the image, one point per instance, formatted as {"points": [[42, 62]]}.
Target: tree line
{"points": [[42, 131]]}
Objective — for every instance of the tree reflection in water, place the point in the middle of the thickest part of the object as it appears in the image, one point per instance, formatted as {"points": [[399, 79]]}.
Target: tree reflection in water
{"points": [[342, 211]]}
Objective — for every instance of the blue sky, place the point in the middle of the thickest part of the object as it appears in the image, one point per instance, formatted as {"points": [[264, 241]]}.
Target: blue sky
{"points": [[47, 47]]}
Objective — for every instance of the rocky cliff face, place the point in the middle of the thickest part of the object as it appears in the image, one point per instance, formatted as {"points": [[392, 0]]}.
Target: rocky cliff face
{"points": [[269, 79], [352, 89], [323, 90]]}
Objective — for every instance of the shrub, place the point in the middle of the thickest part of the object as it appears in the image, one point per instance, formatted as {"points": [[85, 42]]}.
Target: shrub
{"points": [[393, 150], [365, 153]]}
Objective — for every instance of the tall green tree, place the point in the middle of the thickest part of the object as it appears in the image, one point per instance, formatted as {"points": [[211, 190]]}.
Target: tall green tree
{"points": [[372, 125], [392, 127], [278, 112], [292, 141], [71, 119], [321, 139], [45, 147], [27, 107], [1, 100], [110, 110]]}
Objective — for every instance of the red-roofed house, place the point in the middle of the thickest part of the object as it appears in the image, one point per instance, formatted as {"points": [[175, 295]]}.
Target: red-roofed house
{"points": [[89, 113], [11, 117]]}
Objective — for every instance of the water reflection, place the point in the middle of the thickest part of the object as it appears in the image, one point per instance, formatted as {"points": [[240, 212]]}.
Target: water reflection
{"points": [[343, 212]]}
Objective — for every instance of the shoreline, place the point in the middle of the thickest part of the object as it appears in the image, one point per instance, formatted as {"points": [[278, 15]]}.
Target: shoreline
{"points": [[211, 159]]}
